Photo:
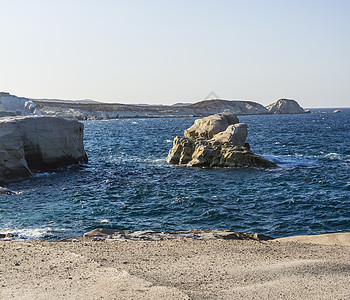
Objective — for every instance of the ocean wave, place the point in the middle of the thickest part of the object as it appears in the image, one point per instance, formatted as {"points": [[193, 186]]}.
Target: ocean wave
{"points": [[291, 161], [302, 160], [44, 174], [30, 233], [336, 156]]}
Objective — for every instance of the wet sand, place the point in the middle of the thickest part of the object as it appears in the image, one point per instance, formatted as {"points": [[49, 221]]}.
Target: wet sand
{"points": [[309, 267]]}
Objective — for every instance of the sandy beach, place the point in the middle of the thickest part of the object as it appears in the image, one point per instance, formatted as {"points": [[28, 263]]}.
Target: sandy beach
{"points": [[306, 267]]}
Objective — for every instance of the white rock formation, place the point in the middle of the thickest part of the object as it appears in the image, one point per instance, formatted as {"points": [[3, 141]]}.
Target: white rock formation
{"points": [[285, 106], [209, 126], [12, 105], [30, 144], [204, 146]]}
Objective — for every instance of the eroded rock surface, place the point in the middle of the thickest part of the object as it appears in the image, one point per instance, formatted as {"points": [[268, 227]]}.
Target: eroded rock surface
{"points": [[235, 134], [12, 105], [30, 144], [209, 126], [205, 146]]}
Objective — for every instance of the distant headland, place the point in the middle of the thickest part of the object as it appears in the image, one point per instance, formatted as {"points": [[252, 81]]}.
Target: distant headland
{"points": [[11, 105]]}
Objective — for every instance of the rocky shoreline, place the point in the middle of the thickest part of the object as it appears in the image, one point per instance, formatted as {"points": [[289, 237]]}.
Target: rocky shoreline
{"points": [[116, 235], [105, 234]]}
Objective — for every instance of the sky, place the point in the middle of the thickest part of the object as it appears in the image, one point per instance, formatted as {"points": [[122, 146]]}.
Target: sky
{"points": [[165, 52]]}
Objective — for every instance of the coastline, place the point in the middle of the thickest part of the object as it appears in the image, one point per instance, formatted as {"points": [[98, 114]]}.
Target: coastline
{"points": [[301, 267]]}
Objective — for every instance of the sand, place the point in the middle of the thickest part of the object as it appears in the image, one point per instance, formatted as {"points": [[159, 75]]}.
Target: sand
{"points": [[311, 267]]}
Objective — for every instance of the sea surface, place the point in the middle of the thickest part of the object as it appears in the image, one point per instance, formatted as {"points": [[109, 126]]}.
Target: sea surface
{"points": [[127, 183]]}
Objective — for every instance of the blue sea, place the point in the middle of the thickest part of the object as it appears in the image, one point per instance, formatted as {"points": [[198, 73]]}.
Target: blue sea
{"points": [[127, 183]]}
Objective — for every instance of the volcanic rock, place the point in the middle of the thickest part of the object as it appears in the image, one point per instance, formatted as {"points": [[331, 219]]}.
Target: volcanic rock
{"points": [[30, 144], [209, 126], [202, 148], [235, 134], [12, 105]]}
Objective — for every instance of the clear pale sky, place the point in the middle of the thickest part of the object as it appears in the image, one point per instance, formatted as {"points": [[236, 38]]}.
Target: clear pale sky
{"points": [[177, 51]]}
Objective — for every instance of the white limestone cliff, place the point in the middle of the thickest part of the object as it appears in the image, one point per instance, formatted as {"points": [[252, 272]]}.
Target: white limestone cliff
{"points": [[11, 105], [29, 144]]}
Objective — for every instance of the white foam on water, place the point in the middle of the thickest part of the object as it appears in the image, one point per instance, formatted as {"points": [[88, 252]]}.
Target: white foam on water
{"points": [[150, 160], [44, 174], [156, 161], [334, 156], [291, 161], [29, 233]]}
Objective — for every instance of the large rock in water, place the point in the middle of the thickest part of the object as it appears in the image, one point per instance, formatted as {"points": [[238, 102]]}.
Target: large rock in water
{"points": [[285, 106], [30, 144], [204, 146]]}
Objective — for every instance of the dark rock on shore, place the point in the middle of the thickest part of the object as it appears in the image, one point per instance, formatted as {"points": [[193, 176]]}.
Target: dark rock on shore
{"points": [[105, 234]]}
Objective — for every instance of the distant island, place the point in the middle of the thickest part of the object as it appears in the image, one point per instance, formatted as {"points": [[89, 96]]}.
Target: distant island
{"points": [[11, 105]]}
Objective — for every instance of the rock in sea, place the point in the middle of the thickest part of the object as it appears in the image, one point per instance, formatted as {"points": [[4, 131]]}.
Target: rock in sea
{"points": [[215, 141], [29, 144], [285, 106]]}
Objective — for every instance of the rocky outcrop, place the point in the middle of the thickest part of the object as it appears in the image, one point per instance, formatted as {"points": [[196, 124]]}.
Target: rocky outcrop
{"points": [[11, 105], [209, 126], [285, 106], [205, 146], [30, 144]]}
